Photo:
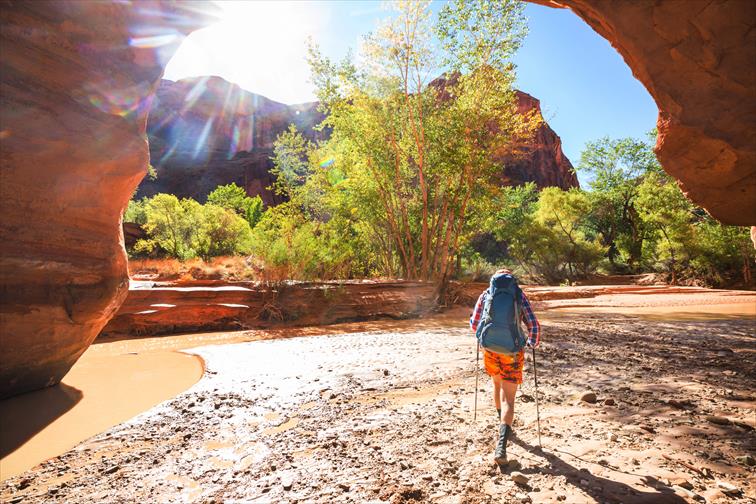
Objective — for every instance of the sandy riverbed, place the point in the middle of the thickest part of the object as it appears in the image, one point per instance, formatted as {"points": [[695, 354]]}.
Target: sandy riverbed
{"points": [[353, 412]]}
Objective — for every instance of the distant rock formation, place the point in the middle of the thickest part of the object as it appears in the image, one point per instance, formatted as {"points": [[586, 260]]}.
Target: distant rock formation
{"points": [[542, 160], [205, 132]]}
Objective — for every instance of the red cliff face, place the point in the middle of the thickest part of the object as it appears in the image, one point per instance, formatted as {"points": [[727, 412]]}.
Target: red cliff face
{"points": [[76, 78], [696, 58], [205, 132], [542, 160]]}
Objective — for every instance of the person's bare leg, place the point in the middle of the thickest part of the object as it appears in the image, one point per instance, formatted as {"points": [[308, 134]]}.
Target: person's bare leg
{"points": [[497, 392], [508, 391]]}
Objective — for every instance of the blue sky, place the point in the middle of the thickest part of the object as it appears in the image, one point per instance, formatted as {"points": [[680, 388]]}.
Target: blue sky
{"points": [[586, 89]]}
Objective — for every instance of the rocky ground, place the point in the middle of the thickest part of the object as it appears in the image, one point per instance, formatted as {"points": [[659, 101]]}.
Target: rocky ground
{"points": [[631, 411]]}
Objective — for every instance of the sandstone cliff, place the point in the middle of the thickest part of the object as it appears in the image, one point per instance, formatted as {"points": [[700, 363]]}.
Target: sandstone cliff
{"points": [[543, 161], [205, 132], [697, 59]]}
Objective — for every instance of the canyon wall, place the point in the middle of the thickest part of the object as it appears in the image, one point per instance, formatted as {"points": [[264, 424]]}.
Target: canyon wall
{"points": [[542, 160], [697, 58], [205, 132], [75, 83]]}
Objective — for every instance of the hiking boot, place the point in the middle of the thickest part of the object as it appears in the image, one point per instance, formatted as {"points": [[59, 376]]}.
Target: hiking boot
{"points": [[500, 455]]}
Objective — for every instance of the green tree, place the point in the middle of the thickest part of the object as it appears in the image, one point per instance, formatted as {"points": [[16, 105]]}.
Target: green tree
{"points": [[221, 231], [669, 215], [234, 198], [616, 167], [290, 161], [136, 211], [414, 157], [561, 248], [169, 225]]}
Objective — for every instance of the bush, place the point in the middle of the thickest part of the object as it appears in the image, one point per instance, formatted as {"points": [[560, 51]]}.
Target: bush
{"points": [[184, 229]]}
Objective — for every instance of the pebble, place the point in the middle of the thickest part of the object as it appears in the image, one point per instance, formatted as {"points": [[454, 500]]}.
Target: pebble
{"points": [[719, 420], [513, 464], [522, 497], [287, 482], [681, 482], [609, 402], [612, 437], [728, 488], [519, 478], [588, 397], [746, 460]]}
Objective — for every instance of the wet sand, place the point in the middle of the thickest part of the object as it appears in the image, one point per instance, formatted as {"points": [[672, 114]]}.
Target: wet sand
{"points": [[103, 389], [672, 313], [316, 411]]}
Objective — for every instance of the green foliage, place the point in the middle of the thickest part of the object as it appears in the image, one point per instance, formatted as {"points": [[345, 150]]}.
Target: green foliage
{"points": [[293, 247], [616, 168], [687, 242], [410, 164], [169, 224], [185, 229], [546, 232], [290, 161], [232, 197], [135, 211], [481, 32]]}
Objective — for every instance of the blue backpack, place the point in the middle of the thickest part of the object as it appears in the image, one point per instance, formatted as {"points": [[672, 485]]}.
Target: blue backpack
{"points": [[499, 327]]}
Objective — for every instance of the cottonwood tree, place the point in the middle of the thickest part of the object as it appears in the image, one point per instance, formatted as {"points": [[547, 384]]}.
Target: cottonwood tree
{"points": [[414, 157]]}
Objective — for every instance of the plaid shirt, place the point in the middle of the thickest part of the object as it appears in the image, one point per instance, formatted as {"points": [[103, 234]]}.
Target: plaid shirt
{"points": [[526, 313]]}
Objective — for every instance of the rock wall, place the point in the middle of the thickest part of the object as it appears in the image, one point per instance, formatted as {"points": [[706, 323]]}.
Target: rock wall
{"points": [[216, 305], [697, 58], [205, 132], [542, 160], [75, 83]]}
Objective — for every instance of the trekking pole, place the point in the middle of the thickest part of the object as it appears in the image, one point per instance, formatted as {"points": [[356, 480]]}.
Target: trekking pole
{"points": [[477, 372], [538, 413]]}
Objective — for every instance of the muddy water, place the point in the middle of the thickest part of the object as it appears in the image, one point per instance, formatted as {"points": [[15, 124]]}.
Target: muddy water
{"points": [[103, 389], [672, 313]]}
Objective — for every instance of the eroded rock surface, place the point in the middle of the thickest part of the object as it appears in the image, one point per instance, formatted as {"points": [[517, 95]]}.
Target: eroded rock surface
{"points": [[205, 132], [542, 160], [216, 305], [696, 58], [75, 79]]}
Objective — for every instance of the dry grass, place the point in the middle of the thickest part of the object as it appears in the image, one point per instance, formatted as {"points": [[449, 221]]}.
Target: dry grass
{"points": [[219, 268]]}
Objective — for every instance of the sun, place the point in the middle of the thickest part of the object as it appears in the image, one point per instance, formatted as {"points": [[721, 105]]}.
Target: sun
{"points": [[259, 45]]}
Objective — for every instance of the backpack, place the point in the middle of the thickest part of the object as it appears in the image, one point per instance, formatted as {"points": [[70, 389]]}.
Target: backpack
{"points": [[499, 327]]}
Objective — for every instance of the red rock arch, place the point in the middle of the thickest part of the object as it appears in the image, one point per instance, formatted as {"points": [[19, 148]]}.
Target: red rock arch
{"points": [[75, 78]]}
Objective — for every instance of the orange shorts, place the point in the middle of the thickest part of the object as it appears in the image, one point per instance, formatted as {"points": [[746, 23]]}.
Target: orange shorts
{"points": [[508, 367]]}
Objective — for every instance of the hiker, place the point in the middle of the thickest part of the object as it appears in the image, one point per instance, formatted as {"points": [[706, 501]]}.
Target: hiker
{"points": [[496, 322]]}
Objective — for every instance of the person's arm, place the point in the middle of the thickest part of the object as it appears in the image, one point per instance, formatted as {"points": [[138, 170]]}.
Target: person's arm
{"points": [[477, 312], [534, 328]]}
